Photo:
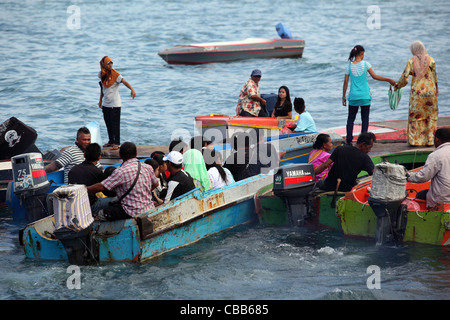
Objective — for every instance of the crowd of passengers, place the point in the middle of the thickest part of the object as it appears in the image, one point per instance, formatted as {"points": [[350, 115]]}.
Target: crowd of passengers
{"points": [[124, 191]]}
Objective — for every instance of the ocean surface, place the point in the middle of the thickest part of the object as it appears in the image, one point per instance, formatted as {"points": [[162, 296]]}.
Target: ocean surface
{"points": [[49, 61]]}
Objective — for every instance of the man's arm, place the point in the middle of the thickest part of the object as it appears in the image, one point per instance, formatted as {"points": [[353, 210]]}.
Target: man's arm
{"points": [[323, 166], [53, 166], [98, 187], [428, 171], [170, 188]]}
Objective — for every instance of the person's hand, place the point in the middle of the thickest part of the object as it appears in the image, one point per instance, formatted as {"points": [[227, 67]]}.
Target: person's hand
{"points": [[133, 93], [263, 102], [344, 102], [392, 82], [100, 104]]}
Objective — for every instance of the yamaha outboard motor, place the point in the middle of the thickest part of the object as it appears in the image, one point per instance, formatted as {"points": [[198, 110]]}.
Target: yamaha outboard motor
{"points": [[73, 221], [387, 192], [294, 183], [31, 184]]}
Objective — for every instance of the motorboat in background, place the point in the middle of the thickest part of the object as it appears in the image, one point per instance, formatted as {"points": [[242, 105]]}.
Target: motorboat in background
{"points": [[210, 52]]}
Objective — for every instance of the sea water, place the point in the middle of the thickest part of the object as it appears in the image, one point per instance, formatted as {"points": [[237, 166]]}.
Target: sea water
{"points": [[49, 61]]}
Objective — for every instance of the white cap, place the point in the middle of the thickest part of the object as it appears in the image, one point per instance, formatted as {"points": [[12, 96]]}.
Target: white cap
{"points": [[174, 156]]}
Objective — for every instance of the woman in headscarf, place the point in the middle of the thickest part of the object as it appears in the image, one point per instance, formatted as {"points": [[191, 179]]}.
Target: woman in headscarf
{"points": [[110, 101], [194, 164], [423, 99]]}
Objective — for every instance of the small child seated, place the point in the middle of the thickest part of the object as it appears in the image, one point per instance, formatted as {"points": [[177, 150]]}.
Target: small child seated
{"points": [[305, 121]]}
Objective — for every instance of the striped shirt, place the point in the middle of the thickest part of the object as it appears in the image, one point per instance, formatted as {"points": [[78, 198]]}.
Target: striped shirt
{"points": [[139, 199], [70, 158]]}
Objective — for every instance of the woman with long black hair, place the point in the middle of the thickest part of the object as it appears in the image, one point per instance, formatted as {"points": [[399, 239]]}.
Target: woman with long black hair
{"points": [[359, 89], [283, 106]]}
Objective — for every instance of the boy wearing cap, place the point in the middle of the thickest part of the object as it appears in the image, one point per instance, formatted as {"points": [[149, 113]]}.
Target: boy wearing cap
{"points": [[180, 182], [250, 101]]}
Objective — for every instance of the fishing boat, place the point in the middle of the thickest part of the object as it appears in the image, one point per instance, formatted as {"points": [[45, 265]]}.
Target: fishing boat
{"points": [[211, 52], [411, 221], [180, 222], [222, 128], [294, 147], [273, 210], [386, 131]]}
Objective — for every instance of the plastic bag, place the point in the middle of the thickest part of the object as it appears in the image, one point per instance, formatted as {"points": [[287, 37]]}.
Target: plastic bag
{"points": [[394, 97]]}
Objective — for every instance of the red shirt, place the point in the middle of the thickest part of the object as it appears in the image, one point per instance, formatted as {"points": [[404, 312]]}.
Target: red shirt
{"points": [[139, 199]]}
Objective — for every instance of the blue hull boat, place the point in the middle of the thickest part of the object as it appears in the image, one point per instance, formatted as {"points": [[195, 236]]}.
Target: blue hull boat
{"points": [[180, 222]]}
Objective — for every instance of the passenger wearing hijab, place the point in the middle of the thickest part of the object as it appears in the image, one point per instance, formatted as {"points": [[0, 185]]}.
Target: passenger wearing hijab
{"points": [[110, 101], [194, 164], [423, 99]]}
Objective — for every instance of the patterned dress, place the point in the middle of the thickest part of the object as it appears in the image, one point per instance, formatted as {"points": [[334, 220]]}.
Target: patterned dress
{"points": [[423, 105], [245, 101]]}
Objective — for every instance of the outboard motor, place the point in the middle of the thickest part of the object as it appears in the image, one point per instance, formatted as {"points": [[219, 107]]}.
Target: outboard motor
{"points": [[31, 184], [73, 221], [387, 192], [283, 32], [294, 183], [16, 138]]}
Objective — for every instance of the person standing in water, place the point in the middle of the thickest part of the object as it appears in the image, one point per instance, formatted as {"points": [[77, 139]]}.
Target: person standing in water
{"points": [[110, 101], [359, 90]]}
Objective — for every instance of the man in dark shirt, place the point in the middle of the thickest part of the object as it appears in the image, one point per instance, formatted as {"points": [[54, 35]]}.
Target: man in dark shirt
{"points": [[180, 182], [88, 174], [348, 162]]}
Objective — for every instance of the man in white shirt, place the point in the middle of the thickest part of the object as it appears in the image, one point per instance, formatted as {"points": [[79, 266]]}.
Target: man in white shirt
{"points": [[436, 169]]}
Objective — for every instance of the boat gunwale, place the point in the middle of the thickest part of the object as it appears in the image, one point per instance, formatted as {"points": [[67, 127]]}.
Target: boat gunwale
{"points": [[236, 43]]}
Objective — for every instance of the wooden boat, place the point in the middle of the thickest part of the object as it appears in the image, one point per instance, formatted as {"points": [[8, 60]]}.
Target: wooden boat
{"points": [[223, 127], [273, 211], [233, 50], [386, 131], [182, 221], [296, 147], [220, 129], [421, 224]]}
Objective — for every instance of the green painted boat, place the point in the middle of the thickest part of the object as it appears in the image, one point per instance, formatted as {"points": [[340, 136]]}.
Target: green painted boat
{"points": [[273, 211], [422, 225]]}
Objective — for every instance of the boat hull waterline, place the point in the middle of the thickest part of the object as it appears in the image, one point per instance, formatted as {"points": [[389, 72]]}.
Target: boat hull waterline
{"points": [[231, 51]]}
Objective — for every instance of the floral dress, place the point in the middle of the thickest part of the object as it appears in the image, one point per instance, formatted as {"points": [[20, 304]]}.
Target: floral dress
{"points": [[423, 104]]}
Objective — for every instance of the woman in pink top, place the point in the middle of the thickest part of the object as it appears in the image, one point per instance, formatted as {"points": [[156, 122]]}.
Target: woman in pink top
{"points": [[319, 154]]}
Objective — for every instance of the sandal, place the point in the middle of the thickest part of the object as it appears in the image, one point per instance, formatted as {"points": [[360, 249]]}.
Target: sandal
{"points": [[115, 147], [107, 145]]}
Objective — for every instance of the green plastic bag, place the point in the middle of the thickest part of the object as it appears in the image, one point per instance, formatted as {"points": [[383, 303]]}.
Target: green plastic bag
{"points": [[394, 97]]}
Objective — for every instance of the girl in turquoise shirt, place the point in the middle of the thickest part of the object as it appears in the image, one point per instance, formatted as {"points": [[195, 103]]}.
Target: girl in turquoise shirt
{"points": [[359, 90]]}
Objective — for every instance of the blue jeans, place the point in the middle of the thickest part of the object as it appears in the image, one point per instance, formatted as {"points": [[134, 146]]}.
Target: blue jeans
{"points": [[101, 203], [352, 111]]}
